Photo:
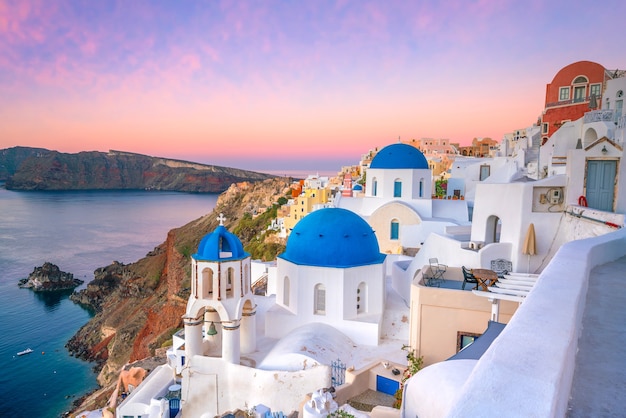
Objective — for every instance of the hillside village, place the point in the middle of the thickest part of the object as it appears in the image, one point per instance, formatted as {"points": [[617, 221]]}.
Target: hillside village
{"points": [[382, 261]]}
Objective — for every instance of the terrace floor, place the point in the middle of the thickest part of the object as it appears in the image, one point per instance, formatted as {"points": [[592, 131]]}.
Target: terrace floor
{"points": [[599, 387]]}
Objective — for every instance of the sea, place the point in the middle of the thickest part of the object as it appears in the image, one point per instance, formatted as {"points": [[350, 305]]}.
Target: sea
{"points": [[79, 231]]}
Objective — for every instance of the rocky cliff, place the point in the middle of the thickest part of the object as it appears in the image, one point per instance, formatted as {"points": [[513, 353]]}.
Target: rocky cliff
{"points": [[139, 306], [26, 168]]}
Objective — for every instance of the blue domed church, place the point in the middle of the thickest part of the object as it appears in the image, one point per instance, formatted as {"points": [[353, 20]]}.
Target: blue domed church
{"points": [[398, 203], [332, 272]]}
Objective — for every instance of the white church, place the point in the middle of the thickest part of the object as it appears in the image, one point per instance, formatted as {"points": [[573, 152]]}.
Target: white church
{"points": [[239, 350], [398, 202]]}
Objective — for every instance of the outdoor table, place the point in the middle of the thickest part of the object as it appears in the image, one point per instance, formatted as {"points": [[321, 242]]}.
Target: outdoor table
{"points": [[485, 278]]}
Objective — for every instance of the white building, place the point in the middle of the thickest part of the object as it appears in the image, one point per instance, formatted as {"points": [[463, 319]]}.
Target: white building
{"points": [[398, 200], [331, 272]]}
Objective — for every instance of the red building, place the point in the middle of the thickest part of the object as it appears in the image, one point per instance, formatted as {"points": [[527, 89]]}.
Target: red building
{"points": [[574, 90]]}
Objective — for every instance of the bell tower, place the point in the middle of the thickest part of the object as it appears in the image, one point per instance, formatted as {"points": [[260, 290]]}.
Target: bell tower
{"points": [[220, 315]]}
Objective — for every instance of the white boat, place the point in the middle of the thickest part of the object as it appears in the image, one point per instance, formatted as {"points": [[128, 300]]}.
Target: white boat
{"points": [[27, 351]]}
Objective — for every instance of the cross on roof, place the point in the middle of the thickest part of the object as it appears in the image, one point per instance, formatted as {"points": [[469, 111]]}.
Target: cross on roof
{"points": [[221, 219]]}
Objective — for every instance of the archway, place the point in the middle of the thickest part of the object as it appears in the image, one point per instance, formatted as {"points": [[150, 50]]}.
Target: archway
{"points": [[492, 233]]}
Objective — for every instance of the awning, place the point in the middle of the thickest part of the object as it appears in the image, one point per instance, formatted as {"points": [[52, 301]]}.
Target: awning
{"points": [[475, 350]]}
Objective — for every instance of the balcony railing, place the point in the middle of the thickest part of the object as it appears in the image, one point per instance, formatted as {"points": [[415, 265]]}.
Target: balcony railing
{"points": [[606, 115], [577, 100]]}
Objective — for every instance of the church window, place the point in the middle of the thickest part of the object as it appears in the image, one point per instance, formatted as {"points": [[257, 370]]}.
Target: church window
{"points": [[374, 186], [397, 188], [286, 291], [229, 282], [421, 188], [395, 229], [320, 299], [361, 298]]}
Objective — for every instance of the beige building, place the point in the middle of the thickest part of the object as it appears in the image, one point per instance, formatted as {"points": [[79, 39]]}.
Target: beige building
{"points": [[440, 153], [445, 319]]}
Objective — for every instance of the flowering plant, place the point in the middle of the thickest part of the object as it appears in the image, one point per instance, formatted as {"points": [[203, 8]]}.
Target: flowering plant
{"points": [[414, 365]]}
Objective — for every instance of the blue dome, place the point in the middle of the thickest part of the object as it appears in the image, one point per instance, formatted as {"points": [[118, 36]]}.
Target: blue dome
{"points": [[399, 156], [220, 245], [357, 187], [332, 237]]}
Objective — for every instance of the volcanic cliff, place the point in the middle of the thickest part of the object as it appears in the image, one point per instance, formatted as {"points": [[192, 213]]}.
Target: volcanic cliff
{"points": [[139, 306], [26, 168]]}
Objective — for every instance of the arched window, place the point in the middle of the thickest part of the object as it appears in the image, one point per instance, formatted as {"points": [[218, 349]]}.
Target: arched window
{"points": [[230, 275], [207, 283], [421, 188], [395, 229], [361, 298], [286, 290], [374, 186], [397, 188], [319, 307]]}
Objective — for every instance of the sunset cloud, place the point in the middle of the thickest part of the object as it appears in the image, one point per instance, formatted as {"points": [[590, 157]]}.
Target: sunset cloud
{"points": [[280, 80]]}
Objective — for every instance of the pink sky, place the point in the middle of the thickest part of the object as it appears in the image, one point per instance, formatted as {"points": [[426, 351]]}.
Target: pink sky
{"points": [[285, 84]]}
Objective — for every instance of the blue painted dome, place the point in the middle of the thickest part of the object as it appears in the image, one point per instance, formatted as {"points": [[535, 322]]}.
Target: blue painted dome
{"points": [[357, 187], [399, 156], [332, 237], [220, 245]]}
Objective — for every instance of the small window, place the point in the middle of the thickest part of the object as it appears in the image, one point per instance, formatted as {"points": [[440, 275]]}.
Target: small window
{"points": [[580, 79], [286, 291], [595, 89], [564, 93], [544, 128], [395, 230], [374, 187], [397, 188], [463, 339], [421, 188], [320, 299]]}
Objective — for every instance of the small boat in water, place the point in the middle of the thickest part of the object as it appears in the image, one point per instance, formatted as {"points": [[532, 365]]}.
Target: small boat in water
{"points": [[27, 351]]}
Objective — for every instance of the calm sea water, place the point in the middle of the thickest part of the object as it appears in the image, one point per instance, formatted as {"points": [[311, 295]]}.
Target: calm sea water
{"points": [[79, 232]]}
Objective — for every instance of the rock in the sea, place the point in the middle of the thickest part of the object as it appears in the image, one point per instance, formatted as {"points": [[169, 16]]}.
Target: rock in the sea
{"points": [[48, 278]]}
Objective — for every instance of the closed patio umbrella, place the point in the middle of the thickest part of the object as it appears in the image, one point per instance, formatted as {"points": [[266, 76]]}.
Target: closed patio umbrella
{"points": [[530, 244]]}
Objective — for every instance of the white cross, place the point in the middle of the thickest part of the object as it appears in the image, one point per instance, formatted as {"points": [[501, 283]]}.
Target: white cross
{"points": [[221, 219]]}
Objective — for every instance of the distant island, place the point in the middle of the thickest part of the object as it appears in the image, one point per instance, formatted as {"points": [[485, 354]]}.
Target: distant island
{"points": [[24, 168], [49, 278]]}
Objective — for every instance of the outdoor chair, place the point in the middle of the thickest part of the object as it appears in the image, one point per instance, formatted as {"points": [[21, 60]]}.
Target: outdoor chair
{"points": [[437, 270], [468, 277], [429, 279]]}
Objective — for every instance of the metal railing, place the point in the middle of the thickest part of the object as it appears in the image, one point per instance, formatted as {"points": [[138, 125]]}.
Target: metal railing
{"points": [[577, 100], [606, 115]]}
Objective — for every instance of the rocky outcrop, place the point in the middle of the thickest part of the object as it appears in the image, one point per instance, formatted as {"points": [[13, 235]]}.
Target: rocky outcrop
{"points": [[39, 169], [49, 278], [106, 280], [140, 305]]}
